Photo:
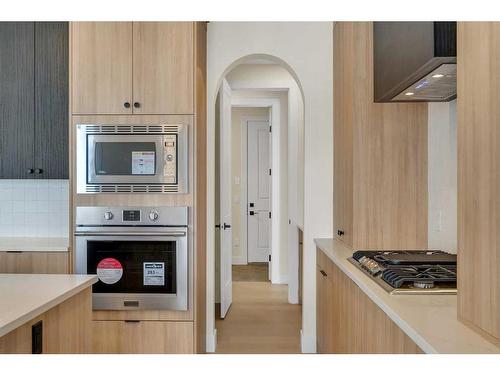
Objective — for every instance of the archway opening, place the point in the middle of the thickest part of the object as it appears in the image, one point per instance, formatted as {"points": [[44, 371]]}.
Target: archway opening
{"points": [[257, 91]]}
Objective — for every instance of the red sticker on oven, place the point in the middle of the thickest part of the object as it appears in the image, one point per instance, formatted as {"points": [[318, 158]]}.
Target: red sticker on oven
{"points": [[109, 271]]}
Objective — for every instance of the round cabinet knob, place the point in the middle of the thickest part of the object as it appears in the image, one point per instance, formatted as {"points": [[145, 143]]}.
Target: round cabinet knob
{"points": [[30, 170], [38, 171], [153, 216], [137, 105], [170, 157], [108, 215], [126, 105]]}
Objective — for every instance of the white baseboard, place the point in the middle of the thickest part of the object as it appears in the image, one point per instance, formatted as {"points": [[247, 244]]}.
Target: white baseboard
{"points": [[212, 342], [239, 261], [307, 343]]}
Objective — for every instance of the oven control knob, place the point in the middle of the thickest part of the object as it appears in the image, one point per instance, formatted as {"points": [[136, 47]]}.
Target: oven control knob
{"points": [[108, 215], [153, 215]]}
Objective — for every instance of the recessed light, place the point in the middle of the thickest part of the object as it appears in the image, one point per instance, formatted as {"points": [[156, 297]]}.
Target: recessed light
{"points": [[438, 75], [409, 94]]}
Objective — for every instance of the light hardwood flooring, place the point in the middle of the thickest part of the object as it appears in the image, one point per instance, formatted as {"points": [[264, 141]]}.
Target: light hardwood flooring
{"points": [[260, 321], [251, 272]]}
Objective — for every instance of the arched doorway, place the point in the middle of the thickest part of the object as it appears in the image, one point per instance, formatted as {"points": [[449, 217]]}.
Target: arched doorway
{"points": [[284, 242]]}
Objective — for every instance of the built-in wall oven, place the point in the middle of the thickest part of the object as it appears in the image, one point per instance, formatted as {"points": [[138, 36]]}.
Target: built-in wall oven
{"points": [[132, 158], [140, 255]]}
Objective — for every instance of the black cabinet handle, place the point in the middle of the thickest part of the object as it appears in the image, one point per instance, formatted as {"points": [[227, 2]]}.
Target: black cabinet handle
{"points": [[323, 273], [38, 171], [137, 105], [126, 105], [226, 226], [340, 232], [217, 226], [30, 170]]}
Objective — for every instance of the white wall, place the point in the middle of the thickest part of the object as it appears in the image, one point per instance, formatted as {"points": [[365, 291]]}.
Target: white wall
{"points": [[239, 182], [306, 49], [442, 176]]}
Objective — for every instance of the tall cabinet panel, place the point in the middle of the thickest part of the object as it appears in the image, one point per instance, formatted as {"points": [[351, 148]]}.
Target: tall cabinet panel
{"points": [[51, 99], [163, 68], [478, 139], [380, 168], [16, 99], [102, 68]]}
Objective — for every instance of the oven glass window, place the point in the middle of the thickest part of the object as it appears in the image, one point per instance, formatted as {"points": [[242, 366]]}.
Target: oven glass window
{"points": [[125, 158], [133, 266]]}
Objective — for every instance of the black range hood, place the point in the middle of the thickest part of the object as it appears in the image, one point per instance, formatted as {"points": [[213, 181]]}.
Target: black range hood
{"points": [[414, 61]]}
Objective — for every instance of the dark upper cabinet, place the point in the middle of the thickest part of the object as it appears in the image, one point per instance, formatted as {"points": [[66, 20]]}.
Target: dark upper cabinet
{"points": [[34, 100], [51, 99], [17, 107]]}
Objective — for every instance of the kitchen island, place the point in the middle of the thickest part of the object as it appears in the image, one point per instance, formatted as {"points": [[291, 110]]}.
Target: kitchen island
{"points": [[427, 322], [45, 313]]}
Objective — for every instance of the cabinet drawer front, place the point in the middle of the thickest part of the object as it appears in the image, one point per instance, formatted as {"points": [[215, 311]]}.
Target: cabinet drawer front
{"points": [[142, 337], [34, 262], [101, 67], [163, 68]]}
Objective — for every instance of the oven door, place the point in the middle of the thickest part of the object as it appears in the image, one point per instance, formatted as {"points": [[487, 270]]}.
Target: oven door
{"points": [[142, 271]]}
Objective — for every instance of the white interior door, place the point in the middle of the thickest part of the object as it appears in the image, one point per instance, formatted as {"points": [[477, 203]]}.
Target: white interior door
{"points": [[225, 200], [259, 191]]}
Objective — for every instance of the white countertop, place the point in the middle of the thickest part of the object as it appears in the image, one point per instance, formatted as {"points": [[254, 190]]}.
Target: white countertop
{"points": [[24, 297], [34, 244], [429, 320]]}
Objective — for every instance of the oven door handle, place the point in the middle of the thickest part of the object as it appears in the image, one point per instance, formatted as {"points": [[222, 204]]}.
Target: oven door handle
{"points": [[131, 234]]}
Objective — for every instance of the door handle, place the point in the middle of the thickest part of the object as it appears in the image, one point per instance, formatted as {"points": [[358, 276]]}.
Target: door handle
{"points": [[226, 226], [253, 213]]}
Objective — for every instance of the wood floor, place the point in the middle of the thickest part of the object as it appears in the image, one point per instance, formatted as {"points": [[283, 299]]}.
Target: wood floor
{"points": [[251, 272], [260, 321]]}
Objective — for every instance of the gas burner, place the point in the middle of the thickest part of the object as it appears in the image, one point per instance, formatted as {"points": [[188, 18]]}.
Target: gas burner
{"points": [[423, 284], [409, 271]]}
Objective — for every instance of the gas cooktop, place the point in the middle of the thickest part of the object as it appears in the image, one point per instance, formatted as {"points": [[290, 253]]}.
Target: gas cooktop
{"points": [[410, 271]]}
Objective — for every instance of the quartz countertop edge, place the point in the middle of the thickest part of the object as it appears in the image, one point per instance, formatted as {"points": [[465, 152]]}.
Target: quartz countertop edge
{"points": [[34, 244], [429, 320], [47, 291]]}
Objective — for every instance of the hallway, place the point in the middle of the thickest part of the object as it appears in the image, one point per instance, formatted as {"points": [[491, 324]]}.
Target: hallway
{"points": [[260, 320]]}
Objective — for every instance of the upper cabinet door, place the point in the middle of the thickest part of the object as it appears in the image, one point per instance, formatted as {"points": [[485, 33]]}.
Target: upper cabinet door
{"points": [[51, 100], [17, 111], [102, 67], [163, 68]]}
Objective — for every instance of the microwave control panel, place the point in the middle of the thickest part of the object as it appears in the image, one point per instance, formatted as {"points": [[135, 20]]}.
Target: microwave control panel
{"points": [[170, 156]]}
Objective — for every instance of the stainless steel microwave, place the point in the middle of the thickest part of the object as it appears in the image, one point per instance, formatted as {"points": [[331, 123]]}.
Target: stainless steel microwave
{"points": [[132, 158]]}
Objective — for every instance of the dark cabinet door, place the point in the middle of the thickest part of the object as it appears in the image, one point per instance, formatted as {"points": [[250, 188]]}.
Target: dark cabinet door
{"points": [[51, 100], [16, 99]]}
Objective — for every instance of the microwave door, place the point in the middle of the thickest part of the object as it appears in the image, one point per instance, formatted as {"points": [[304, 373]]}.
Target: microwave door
{"points": [[125, 159]]}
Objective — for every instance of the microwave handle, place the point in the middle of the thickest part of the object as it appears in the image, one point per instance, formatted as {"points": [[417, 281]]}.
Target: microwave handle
{"points": [[163, 234]]}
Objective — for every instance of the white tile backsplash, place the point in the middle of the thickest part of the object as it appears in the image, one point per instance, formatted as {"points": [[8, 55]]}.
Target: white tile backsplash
{"points": [[34, 208]]}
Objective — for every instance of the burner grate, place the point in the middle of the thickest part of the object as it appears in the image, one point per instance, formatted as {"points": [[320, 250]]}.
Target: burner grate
{"points": [[397, 276]]}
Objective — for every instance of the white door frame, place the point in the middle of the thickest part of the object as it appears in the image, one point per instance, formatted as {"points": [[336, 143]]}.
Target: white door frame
{"points": [[244, 187], [274, 105]]}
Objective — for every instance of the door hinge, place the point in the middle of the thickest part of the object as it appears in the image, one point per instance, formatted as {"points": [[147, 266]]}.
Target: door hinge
{"points": [[269, 171], [270, 214]]}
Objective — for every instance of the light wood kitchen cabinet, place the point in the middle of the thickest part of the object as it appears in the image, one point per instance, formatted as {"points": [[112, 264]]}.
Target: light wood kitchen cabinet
{"points": [[380, 153], [163, 67], [101, 70], [142, 337], [348, 322], [133, 67], [65, 329], [478, 149], [34, 262]]}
